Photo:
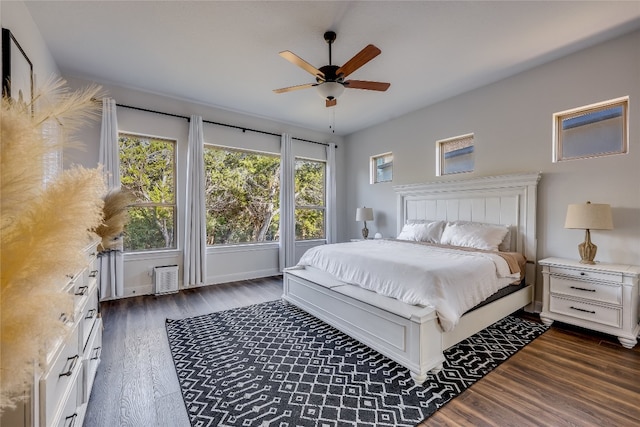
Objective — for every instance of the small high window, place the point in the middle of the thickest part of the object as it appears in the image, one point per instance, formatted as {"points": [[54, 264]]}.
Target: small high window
{"points": [[595, 130], [381, 168], [454, 155]]}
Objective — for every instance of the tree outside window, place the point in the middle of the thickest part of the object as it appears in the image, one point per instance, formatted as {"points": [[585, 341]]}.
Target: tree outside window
{"points": [[147, 169]]}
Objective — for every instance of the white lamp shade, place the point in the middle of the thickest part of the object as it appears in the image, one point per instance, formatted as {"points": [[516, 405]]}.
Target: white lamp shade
{"points": [[330, 90], [589, 216], [364, 214]]}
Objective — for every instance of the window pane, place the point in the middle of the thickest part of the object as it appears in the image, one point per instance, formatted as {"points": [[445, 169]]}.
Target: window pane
{"points": [[591, 131], [382, 168], [147, 169], [456, 155], [150, 228], [309, 183], [241, 196], [309, 224]]}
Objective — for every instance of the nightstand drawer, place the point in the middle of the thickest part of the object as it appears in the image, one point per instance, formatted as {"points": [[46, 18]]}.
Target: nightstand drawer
{"points": [[588, 274], [611, 294], [610, 316]]}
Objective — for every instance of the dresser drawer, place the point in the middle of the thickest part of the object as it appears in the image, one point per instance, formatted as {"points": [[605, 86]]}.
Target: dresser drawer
{"points": [[68, 415], [608, 276], [59, 377], [600, 292], [92, 355], [610, 316], [88, 317]]}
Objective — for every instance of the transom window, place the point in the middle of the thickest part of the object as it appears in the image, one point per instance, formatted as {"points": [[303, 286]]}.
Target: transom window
{"points": [[381, 168], [147, 169], [454, 155]]}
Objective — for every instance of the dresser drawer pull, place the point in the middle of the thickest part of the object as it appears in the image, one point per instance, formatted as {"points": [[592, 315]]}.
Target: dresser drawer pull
{"points": [[82, 290], [582, 273], [582, 309], [582, 289], [71, 419], [73, 360], [91, 314], [97, 352], [93, 273]]}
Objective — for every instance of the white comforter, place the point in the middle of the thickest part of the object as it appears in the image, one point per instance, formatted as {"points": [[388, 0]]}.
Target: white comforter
{"points": [[449, 280]]}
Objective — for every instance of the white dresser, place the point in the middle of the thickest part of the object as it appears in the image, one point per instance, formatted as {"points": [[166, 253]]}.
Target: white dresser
{"points": [[601, 297], [61, 388]]}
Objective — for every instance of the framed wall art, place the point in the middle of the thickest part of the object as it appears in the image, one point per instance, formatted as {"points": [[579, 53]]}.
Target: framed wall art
{"points": [[17, 70]]}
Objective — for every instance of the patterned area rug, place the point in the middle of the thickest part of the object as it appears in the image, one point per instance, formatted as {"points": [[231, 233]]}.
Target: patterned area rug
{"points": [[273, 364]]}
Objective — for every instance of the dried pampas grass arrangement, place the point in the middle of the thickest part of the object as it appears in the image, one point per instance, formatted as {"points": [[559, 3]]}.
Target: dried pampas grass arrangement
{"points": [[43, 231], [115, 217]]}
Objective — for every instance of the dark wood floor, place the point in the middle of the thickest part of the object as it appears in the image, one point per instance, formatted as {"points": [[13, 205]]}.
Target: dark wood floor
{"points": [[567, 377]]}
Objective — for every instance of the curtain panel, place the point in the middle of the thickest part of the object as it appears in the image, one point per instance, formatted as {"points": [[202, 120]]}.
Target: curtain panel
{"points": [[111, 262], [287, 204], [195, 245]]}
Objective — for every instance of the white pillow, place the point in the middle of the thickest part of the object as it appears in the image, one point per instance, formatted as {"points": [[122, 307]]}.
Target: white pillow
{"points": [[422, 232], [474, 235]]}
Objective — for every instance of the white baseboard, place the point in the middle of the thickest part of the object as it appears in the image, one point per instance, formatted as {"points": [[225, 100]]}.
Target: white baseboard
{"points": [[245, 275]]}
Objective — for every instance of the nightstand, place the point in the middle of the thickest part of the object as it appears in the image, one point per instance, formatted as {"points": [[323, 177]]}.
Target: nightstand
{"points": [[602, 297]]}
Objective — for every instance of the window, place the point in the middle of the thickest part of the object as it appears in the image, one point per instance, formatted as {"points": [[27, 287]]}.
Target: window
{"points": [[242, 191], [381, 168], [592, 131], [310, 199], [454, 155], [242, 196], [147, 169]]}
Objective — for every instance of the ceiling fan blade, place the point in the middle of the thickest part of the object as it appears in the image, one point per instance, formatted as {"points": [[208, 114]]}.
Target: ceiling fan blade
{"points": [[363, 84], [292, 88], [296, 60], [331, 102], [361, 58]]}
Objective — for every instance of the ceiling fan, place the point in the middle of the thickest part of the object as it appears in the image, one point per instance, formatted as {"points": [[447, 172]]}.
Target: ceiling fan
{"points": [[330, 79]]}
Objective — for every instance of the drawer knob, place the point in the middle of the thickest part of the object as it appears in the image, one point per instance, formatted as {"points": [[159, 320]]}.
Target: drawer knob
{"points": [[82, 290], [72, 364], [582, 309], [582, 273], [582, 289]]}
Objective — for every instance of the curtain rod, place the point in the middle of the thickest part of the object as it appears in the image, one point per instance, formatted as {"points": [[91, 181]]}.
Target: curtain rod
{"points": [[244, 129]]}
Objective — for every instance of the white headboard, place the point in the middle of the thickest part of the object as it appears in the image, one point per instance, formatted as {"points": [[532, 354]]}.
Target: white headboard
{"points": [[504, 199]]}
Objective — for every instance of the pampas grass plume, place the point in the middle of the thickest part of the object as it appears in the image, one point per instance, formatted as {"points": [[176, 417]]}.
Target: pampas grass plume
{"points": [[43, 232], [115, 217]]}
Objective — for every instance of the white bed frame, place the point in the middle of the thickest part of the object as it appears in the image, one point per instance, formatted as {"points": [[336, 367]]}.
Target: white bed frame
{"points": [[408, 334]]}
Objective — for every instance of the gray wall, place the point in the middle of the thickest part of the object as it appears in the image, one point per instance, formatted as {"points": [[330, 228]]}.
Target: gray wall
{"points": [[512, 121]]}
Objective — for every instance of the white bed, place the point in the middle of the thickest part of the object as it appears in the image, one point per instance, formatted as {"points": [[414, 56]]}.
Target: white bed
{"points": [[410, 334]]}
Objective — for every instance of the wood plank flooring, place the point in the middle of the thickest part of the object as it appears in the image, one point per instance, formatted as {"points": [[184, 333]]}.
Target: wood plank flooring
{"points": [[567, 377]]}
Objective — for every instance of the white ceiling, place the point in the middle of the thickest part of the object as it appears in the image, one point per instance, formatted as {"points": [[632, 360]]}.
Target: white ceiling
{"points": [[225, 54]]}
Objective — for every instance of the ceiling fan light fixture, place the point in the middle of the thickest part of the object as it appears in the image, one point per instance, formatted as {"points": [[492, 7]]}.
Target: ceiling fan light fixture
{"points": [[330, 90]]}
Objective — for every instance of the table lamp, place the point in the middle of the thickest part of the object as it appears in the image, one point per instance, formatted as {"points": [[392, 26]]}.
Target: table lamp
{"points": [[588, 216], [364, 214]]}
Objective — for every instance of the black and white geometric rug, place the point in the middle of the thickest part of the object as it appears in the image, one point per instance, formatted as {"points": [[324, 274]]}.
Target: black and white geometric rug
{"points": [[273, 364]]}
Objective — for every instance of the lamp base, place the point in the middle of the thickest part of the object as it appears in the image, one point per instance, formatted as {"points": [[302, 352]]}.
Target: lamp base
{"points": [[587, 250], [365, 232]]}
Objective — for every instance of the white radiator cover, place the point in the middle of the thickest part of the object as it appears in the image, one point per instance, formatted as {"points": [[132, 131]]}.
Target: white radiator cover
{"points": [[166, 279]]}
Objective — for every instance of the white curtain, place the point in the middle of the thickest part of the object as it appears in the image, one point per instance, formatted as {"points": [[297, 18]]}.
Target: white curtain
{"points": [[331, 215], [195, 244], [287, 204], [111, 263]]}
